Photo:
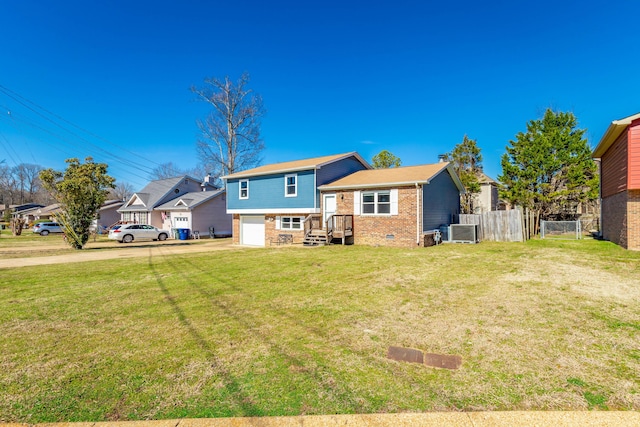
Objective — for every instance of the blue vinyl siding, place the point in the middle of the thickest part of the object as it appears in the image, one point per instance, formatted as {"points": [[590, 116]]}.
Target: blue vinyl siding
{"points": [[441, 202], [336, 170], [267, 192]]}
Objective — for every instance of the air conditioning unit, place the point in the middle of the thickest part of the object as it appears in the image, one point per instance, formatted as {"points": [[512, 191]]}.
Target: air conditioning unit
{"points": [[463, 233]]}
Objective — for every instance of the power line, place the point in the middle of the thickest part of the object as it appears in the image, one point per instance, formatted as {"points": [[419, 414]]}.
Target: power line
{"points": [[110, 154], [12, 94], [122, 158]]}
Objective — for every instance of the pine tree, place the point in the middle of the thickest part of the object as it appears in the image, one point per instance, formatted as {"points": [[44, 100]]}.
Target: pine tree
{"points": [[549, 168], [467, 162]]}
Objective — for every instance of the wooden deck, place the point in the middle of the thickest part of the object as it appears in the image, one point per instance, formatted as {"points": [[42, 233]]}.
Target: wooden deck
{"points": [[337, 229]]}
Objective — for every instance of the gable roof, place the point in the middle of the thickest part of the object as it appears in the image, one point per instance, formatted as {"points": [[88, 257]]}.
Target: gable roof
{"points": [[188, 201], [394, 177], [612, 133], [486, 179], [49, 209], [295, 165], [111, 204], [153, 192]]}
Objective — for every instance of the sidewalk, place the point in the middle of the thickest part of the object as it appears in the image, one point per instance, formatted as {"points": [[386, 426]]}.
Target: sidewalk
{"points": [[430, 419]]}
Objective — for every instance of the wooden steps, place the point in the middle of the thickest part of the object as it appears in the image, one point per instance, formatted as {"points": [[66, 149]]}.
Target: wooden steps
{"points": [[315, 238]]}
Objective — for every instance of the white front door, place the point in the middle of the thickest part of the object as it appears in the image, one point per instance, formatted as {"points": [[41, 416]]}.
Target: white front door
{"points": [[329, 207], [252, 230]]}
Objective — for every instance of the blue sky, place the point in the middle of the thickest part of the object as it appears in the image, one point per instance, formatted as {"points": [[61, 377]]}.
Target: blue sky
{"points": [[411, 77]]}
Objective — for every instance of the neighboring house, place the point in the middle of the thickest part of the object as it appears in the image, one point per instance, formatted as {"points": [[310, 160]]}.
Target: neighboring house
{"points": [[203, 212], [46, 212], [619, 154], [487, 199], [275, 199], [107, 215], [27, 211], [396, 206], [180, 202]]}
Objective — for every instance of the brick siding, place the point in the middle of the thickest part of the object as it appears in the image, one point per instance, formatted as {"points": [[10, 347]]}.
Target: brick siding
{"points": [[236, 229], [385, 230], [614, 213], [270, 232], [633, 220], [621, 219]]}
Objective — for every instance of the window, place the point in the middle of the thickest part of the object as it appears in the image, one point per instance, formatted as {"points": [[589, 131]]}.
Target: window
{"points": [[291, 223], [143, 217], [376, 203], [244, 188], [291, 185]]}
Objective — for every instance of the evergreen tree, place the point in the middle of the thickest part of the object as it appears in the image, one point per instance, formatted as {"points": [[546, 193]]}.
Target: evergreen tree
{"points": [[467, 162], [385, 160], [549, 168]]}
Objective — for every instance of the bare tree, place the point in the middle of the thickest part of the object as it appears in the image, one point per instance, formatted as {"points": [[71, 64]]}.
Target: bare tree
{"points": [[166, 170], [27, 175], [170, 170], [7, 185], [231, 139], [20, 184], [122, 191]]}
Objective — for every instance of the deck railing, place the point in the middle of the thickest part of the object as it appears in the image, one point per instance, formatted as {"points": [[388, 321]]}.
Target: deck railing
{"points": [[312, 222], [336, 226], [339, 225]]}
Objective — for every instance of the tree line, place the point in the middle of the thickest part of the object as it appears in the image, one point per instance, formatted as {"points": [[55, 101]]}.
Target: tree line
{"points": [[547, 169], [21, 184]]}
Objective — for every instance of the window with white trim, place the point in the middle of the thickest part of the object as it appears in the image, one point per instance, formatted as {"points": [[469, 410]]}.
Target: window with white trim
{"points": [[243, 186], [376, 203], [291, 185], [291, 223]]}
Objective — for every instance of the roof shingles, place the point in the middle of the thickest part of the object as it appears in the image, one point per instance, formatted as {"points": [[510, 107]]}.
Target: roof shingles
{"points": [[408, 175], [296, 165]]}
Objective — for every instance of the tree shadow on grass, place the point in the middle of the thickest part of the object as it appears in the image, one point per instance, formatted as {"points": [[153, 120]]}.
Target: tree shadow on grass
{"points": [[232, 386], [321, 375]]}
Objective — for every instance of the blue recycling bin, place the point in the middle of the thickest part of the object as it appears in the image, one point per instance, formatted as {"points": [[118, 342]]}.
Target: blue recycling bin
{"points": [[183, 233]]}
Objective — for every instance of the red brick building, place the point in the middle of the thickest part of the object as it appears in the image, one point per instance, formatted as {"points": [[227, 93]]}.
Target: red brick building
{"points": [[619, 154], [396, 206]]}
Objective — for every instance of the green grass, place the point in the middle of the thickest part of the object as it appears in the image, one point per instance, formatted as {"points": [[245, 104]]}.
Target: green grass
{"points": [[287, 331], [29, 244]]}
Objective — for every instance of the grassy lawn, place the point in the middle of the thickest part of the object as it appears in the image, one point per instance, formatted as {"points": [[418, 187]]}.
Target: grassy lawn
{"points": [[287, 331], [29, 244]]}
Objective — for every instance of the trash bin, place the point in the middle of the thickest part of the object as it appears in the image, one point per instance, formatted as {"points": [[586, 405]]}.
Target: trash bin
{"points": [[183, 233]]}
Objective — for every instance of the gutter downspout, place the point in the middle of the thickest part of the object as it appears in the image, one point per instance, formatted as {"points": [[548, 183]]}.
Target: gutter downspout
{"points": [[417, 214]]}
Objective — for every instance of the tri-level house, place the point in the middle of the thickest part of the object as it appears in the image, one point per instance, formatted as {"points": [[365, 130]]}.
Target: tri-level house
{"points": [[179, 202], [281, 199], [341, 199]]}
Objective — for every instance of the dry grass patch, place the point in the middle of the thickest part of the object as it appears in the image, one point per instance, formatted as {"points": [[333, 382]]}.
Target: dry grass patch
{"points": [[293, 331]]}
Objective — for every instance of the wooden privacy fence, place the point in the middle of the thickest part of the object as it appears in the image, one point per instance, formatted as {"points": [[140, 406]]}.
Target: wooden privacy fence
{"points": [[498, 226]]}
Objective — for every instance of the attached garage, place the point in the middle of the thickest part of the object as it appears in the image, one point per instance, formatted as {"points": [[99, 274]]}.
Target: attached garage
{"points": [[252, 230]]}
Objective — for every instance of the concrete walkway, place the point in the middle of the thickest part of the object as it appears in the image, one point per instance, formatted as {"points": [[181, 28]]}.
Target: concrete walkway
{"points": [[431, 419]]}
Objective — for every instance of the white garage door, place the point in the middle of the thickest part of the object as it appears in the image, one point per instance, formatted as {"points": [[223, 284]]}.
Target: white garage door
{"points": [[252, 230]]}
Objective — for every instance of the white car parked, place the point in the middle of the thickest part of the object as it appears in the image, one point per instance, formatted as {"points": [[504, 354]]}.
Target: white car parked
{"points": [[127, 233]]}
